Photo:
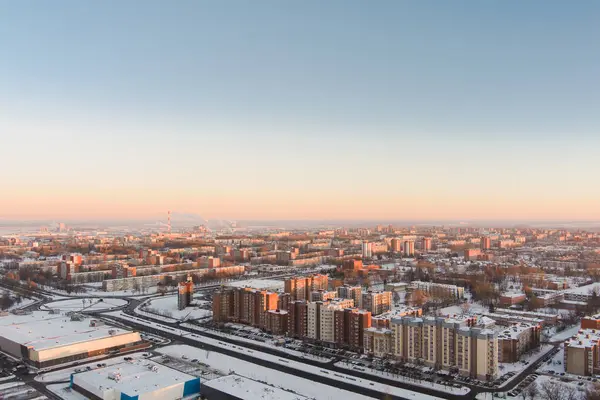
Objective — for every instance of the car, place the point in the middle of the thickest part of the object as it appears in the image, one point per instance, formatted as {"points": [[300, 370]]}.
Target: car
{"points": [[194, 360]]}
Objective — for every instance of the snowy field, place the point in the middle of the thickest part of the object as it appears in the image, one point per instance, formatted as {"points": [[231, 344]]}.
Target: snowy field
{"points": [[265, 284], [563, 335], [458, 391], [275, 360], [269, 343], [285, 381], [85, 304], [167, 306]]}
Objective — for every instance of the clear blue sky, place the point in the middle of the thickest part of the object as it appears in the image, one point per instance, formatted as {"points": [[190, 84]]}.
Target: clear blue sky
{"points": [[306, 109]]}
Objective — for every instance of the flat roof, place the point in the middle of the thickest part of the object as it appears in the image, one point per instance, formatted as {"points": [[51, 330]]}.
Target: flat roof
{"points": [[42, 330], [245, 388], [132, 377]]}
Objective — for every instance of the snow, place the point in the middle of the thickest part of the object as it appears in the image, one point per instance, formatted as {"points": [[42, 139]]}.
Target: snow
{"points": [[65, 373], [286, 381], [167, 307], [519, 365], [85, 304], [262, 284], [64, 392], [268, 343], [244, 388], [459, 391], [564, 335], [557, 363], [268, 357]]}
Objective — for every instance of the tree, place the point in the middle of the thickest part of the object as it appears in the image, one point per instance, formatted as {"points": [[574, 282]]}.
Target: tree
{"points": [[551, 390], [6, 301], [418, 297]]}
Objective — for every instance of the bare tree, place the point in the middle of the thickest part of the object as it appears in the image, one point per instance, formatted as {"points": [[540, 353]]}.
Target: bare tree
{"points": [[550, 390], [592, 392], [530, 392]]}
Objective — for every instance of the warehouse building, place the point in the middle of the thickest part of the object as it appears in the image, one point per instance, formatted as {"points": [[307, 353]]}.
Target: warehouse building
{"points": [[44, 339], [135, 380]]}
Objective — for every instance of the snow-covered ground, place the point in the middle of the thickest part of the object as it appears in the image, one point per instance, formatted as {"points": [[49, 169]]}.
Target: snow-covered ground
{"points": [[86, 304], [520, 365], [286, 381], [17, 390], [167, 306], [266, 284], [459, 310], [25, 301], [563, 335], [269, 343], [273, 359], [556, 363], [450, 389]]}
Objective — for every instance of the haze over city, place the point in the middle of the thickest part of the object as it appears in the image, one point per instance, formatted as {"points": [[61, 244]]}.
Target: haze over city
{"points": [[269, 110]]}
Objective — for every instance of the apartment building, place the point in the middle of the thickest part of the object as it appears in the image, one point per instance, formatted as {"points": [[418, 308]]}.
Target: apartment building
{"points": [[377, 341], [350, 292], [300, 288], [439, 289], [244, 305], [446, 343], [516, 340], [322, 295], [377, 302], [582, 353], [298, 319], [277, 322]]}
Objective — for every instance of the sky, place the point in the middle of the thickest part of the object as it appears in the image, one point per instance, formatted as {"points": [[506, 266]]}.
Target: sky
{"points": [[300, 110]]}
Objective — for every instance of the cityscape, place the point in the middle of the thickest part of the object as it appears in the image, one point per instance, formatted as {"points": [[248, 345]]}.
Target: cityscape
{"points": [[299, 200]]}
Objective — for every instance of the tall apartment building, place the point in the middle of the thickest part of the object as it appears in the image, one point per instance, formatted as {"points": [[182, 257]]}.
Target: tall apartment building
{"points": [[582, 353], [396, 245], [250, 306], [313, 320], [321, 320], [409, 248], [350, 292], [517, 339], [300, 288], [367, 249], [185, 293], [298, 319], [446, 343], [277, 322], [426, 245], [352, 265], [322, 295], [377, 341], [222, 306], [485, 243], [377, 302], [349, 326]]}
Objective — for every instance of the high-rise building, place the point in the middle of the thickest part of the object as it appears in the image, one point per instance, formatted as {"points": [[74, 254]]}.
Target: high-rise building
{"points": [[409, 248], [446, 343], [300, 288], [426, 245], [352, 265], [298, 319], [396, 245], [222, 306], [350, 292], [185, 293], [367, 250], [277, 322], [322, 295], [582, 353], [485, 243], [377, 302]]}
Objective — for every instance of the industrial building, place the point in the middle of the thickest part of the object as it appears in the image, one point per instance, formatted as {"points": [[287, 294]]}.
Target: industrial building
{"points": [[44, 339], [135, 380]]}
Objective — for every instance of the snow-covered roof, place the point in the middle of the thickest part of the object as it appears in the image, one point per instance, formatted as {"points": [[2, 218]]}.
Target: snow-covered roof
{"points": [[41, 330], [244, 388], [132, 378]]}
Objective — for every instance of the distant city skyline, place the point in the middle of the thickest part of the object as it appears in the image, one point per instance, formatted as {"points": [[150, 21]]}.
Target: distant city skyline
{"points": [[320, 111]]}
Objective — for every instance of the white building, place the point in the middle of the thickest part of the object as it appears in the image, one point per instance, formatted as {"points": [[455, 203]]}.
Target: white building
{"points": [[135, 380], [45, 339]]}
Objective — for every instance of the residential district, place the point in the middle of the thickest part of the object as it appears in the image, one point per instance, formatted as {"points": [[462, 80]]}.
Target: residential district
{"points": [[384, 312]]}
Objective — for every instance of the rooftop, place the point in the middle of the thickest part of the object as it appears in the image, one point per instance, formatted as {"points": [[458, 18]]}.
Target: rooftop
{"points": [[245, 388], [133, 378], [42, 330]]}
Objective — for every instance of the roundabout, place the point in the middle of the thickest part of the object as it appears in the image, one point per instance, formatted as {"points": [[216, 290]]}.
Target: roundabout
{"points": [[85, 304]]}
